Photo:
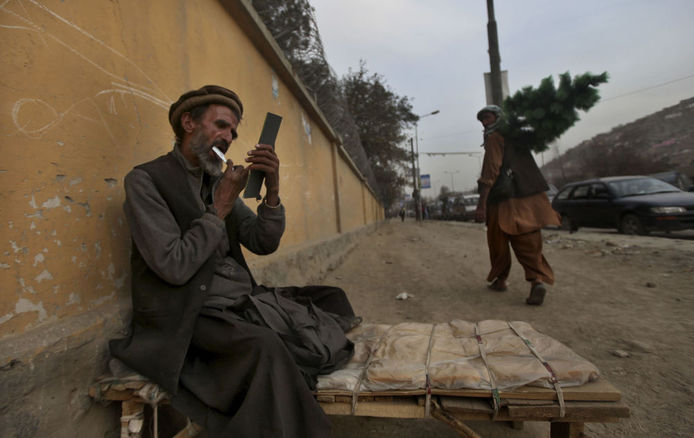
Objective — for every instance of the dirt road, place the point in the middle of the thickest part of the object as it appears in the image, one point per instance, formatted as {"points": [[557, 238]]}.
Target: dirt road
{"points": [[613, 292]]}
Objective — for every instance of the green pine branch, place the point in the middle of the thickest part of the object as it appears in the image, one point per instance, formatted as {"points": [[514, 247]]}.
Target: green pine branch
{"points": [[537, 116]]}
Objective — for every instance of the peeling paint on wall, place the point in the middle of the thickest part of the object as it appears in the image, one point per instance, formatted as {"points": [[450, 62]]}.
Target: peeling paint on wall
{"points": [[16, 248], [62, 125], [38, 258], [44, 275], [51, 203], [24, 305], [73, 299]]}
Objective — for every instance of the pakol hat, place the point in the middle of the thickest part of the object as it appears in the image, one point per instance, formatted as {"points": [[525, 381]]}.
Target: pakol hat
{"points": [[203, 96]]}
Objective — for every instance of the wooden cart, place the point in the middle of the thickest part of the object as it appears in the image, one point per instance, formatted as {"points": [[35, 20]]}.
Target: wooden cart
{"points": [[597, 402]]}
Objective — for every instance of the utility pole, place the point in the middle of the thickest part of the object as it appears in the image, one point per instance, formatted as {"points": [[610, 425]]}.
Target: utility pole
{"points": [[494, 57], [418, 193], [415, 184]]}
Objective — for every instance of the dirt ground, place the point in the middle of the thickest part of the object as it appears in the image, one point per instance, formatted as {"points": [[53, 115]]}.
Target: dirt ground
{"points": [[612, 292]]}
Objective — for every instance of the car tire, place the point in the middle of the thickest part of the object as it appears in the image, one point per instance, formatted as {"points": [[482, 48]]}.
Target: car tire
{"points": [[631, 224], [567, 224]]}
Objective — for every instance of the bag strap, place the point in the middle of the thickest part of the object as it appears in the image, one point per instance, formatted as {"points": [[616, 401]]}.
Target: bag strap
{"points": [[508, 153]]}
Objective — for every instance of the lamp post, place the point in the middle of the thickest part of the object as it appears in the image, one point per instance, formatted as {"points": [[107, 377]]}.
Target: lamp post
{"points": [[451, 173], [417, 188]]}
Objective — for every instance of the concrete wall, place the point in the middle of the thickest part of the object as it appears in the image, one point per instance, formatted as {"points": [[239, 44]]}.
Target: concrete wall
{"points": [[84, 95]]}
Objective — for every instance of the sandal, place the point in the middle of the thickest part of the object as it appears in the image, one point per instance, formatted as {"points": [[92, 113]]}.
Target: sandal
{"points": [[537, 294], [498, 285]]}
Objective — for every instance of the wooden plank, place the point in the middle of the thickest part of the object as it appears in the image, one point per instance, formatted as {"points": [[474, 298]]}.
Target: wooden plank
{"points": [[399, 408], [345, 393], [599, 390], [466, 405], [522, 402], [584, 411]]}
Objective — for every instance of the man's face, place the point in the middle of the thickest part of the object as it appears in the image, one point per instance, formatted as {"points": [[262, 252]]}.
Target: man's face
{"points": [[216, 127], [487, 118]]}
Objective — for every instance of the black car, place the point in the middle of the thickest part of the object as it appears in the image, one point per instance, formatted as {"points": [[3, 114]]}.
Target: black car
{"points": [[632, 204]]}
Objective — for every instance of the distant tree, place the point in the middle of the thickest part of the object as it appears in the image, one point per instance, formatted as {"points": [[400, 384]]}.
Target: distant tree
{"points": [[293, 25], [382, 118]]}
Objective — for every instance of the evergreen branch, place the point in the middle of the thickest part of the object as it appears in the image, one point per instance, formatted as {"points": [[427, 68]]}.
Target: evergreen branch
{"points": [[537, 116]]}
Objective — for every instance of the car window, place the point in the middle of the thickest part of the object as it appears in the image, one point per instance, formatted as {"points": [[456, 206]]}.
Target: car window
{"points": [[599, 191], [641, 186], [580, 192], [564, 194]]}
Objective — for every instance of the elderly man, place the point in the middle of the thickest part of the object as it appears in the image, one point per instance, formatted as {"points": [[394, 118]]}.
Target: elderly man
{"points": [[226, 349], [517, 220]]}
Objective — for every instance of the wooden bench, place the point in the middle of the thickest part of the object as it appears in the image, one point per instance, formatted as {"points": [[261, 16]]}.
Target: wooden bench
{"points": [[595, 402]]}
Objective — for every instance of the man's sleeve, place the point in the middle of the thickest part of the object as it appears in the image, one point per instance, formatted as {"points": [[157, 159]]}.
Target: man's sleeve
{"points": [[173, 256], [260, 233], [493, 157]]}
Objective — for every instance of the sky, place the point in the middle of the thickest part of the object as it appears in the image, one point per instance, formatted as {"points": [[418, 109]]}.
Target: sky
{"points": [[435, 53]]}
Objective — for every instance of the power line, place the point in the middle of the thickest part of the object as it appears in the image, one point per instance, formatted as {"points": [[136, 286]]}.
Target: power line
{"points": [[648, 88], [433, 154], [640, 90], [476, 131]]}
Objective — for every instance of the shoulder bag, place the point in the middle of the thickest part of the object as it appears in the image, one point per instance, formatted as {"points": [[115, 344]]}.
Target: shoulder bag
{"points": [[505, 185]]}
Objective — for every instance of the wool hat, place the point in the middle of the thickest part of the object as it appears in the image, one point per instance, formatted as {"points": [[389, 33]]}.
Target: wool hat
{"points": [[203, 96]]}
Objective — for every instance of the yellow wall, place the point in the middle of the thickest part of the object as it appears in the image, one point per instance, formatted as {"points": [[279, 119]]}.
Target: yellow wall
{"points": [[84, 95]]}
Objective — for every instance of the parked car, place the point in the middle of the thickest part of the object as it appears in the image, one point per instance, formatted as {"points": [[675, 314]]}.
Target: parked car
{"points": [[632, 204], [551, 192], [470, 202], [677, 179]]}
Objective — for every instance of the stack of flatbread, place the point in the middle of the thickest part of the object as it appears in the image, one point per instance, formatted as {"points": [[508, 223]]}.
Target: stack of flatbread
{"points": [[400, 357]]}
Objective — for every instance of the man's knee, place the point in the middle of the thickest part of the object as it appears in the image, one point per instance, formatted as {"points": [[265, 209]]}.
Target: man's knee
{"points": [[261, 344], [227, 338]]}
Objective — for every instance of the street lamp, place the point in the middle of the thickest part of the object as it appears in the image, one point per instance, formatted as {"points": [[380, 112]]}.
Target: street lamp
{"points": [[417, 182]]}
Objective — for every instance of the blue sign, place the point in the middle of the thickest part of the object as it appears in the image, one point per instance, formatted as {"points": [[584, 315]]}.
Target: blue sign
{"points": [[425, 181]]}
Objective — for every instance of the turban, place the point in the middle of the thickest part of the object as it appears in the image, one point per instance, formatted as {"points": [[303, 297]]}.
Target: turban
{"points": [[203, 96], [497, 123], [489, 109]]}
